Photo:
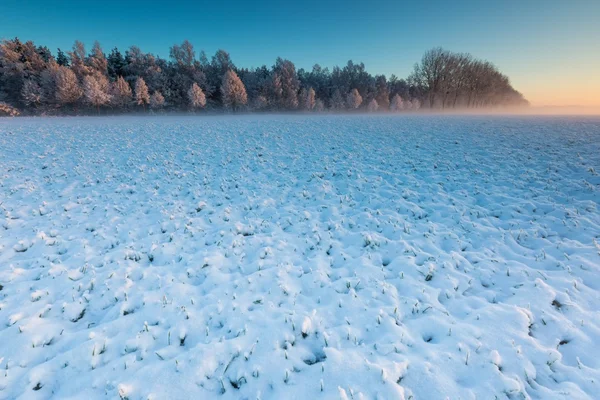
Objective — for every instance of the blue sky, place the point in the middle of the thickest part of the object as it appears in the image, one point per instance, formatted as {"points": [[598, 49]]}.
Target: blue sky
{"points": [[550, 49]]}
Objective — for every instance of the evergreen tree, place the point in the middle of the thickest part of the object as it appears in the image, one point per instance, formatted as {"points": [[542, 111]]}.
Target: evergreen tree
{"points": [[382, 94], [116, 64], [62, 59]]}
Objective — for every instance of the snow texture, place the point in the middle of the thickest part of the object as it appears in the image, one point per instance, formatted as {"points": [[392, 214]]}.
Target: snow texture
{"points": [[259, 257]]}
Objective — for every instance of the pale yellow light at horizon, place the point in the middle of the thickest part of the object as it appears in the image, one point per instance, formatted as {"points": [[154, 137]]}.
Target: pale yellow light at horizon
{"points": [[561, 84]]}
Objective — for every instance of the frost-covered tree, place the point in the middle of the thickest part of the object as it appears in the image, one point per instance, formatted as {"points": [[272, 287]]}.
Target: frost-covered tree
{"points": [[62, 59], [157, 100], [115, 64], [97, 61], [95, 90], [31, 93], [372, 106], [307, 98], [260, 102], [77, 56], [354, 99], [442, 79], [184, 55], [142, 97], [6, 109], [382, 92], [319, 105], [120, 92], [67, 89], [196, 96], [233, 92], [337, 101], [397, 103], [285, 71]]}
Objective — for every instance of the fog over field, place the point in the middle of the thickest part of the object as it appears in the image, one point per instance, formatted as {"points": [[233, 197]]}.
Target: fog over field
{"points": [[273, 256]]}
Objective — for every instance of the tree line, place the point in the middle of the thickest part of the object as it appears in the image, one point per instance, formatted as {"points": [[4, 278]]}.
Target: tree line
{"points": [[35, 81]]}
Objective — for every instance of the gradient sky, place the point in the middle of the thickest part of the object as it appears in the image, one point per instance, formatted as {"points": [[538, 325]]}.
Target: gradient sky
{"points": [[550, 49]]}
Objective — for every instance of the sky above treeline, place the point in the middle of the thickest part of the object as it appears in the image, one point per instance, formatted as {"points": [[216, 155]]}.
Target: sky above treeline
{"points": [[550, 49]]}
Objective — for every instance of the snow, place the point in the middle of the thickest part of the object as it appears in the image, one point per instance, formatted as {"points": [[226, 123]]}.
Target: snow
{"points": [[263, 257]]}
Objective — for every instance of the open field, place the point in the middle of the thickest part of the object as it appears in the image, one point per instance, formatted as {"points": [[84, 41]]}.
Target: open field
{"points": [[271, 257]]}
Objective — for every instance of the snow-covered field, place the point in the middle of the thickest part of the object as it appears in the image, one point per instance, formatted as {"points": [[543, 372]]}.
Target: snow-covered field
{"points": [[291, 257]]}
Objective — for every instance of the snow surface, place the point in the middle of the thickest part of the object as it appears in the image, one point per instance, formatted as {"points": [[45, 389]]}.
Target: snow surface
{"points": [[258, 257]]}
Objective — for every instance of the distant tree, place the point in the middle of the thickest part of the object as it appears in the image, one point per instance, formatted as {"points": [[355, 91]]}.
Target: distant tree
{"points": [[19, 62], [157, 101], [354, 99], [48, 83], [97, 61], [31, 93], [95, 89], [30, 77], [196, 96], [372, 106], [233, 91], [62, 59], [219, 65], [382, 94], [184, 54], [307, 98], [337, 101], [285, 71], [67, 86], [6, 109], [142, 98], [260, 102], [45, 53], [121, 93], [77, 56], [115, 64], [319, 105], [397, 103]]}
